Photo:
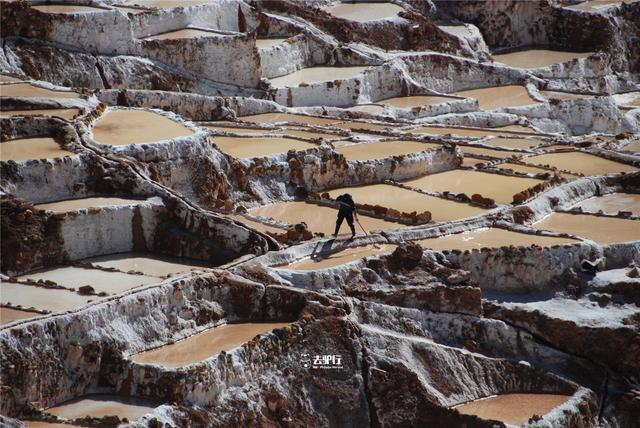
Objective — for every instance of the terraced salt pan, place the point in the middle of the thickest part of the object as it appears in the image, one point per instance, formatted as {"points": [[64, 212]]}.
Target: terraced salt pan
{"points": [[499, 96], [604, 230], [128, 126], [170, 4], [597, 4], [318, 218], [288, 117], [256, 225], [148, 264], [40, 298], [514, 409], [363, 11], [383, 149], [185, 33], [414, 101], [26, 90], [612, 203], [498, 187], [514, 143], [533, 58], [491, 237], [316, 74], [633, 147], [469, 132], [101, 281], [42, 424], [32, 148], [563, 95], [323, 261], [98, 406], [362, 126], [8, 315], [499, 154], [583, 163], [405, 200], [65, 9], [304, 133], [4, 79], [64, 113], [205, 344], [629, 100], [250, 147], [76, 204], [516, 167], [268, 43], [236, 129]]}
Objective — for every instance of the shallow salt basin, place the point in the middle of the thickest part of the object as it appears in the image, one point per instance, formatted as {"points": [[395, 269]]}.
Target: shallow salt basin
{"points": [[59, 8], [256, 225], [633, 147], [481, 151], [304, 133], [318, 218], [408, 201], [604, 230], [612, 203], [514, 143], [583, 163], [368, 108], [515, 409], [323, 261], [237, 129], [316, 74], [170, 4], [491, 237], [364, 11], [533, 58], [250, 147], [362, 126], [205, 344], [148, 264], [469, 132], [64, 113], [185, 33], [99, 405], [8, 315], [384, 149], [77, 204], [499, 96], [26, 90], [4, 79], [40, 298], [415, 101], [32, 148], [563, 95], [288, 117], [498, 187], [268, 43], [522, 168], [101, 281], [42, 424], [596, 4], [123, 127]]}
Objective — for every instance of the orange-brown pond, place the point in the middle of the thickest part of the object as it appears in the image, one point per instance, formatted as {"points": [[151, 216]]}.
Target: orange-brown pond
{"points": [[612, 203], [491, 237], [26, 90], [514, 143], [633, 147], [384, 149], [499, 96], [236, 129], [99, 405], [64, 113], [267, 43], [323, 260], [148, 264], [604, 230], [316, 74], [184, 33], [498, 187], [583, 163], [8, 315], [516, 167], [532, 58], [408, 201], [41, 298], [288, 117], [169, 4], [43, 424], [481, 151], [363, 11], [250, 147], [128, 126], [318, 218], [205, 344], [514, 409], [296, 132], [465, 132], [415, 101], [32, 148], [59, 8], [597, 4], [77, 204]]}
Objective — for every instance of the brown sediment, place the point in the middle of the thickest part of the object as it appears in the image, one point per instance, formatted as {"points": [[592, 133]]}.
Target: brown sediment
{"points": [[363, 12], [362, 126], [522, 168], [533, 58], [499, 96], [383, 149], [250, 147], [257, 225], [596, 4], [408, 201], [32, 148], [288, 117], [322, 261], [633, 147], [583, 163], [612, 203], [515, 143], [26, 90], [267, 43], [604, 230], [4, 79], [184, 33], [491, 237], [148, 264], [59, 8], [166, 4], [8, 315], [481, 151], [122, 127], [40, 298], [98, 406], [65, 113], [237, 129], [470, 132], [368, 108], [415, 101], [317, 74], [318, 218], [515, 409], [43, 424], [205, 344], [76, 204], [495, 186]]}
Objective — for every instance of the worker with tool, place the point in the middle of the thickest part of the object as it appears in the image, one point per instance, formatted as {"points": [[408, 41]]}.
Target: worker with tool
{"points": [[346, 210]]}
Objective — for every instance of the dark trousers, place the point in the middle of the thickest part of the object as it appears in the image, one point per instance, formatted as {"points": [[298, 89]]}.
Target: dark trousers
{"points": [[349, 218]]}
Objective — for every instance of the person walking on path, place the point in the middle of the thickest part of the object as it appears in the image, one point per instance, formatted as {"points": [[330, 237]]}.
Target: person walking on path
{"points": [[346, 210]]}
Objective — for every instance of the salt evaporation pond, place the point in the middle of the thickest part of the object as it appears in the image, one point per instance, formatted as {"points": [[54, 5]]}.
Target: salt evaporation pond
{"points": [[583, 163], [184, 33], [415, 101], [250, 147], [384, 149], [64, 113], [288, 117], [148, 264], [40, 298], [491, 237], [363, 11], [85, 203], [316, 74], [32, 148], [533, 58], [98, 406], [66, 9], [27, 90], [466, 132], [603, 230], [612, 203], [324, 260], [126, 126], [268, 43], [499, 96], [8, 315]]}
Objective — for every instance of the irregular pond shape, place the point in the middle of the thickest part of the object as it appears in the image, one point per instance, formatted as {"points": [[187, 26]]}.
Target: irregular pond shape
{"points": [[612, 203], [99, 405], [603, 230], [316, 74], [250, 147], [583, 163], [363, 11], [41, 298], [32, 148], [127, 126], [148, 264], [384, 149], [533, 58], [64, 113], [323, 260], [77, 204], [499, 96]]}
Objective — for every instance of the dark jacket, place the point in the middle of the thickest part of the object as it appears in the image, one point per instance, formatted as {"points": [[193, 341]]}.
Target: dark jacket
{"points": [[346, 205]]}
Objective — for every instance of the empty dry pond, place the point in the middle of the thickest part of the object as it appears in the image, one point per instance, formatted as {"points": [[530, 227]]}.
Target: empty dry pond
{"points": [[415, 101], [32, 148], [250, 147], [127, 126], [583, 163], [268, 43], [603, 230], [491, 237], [85, 203]]}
